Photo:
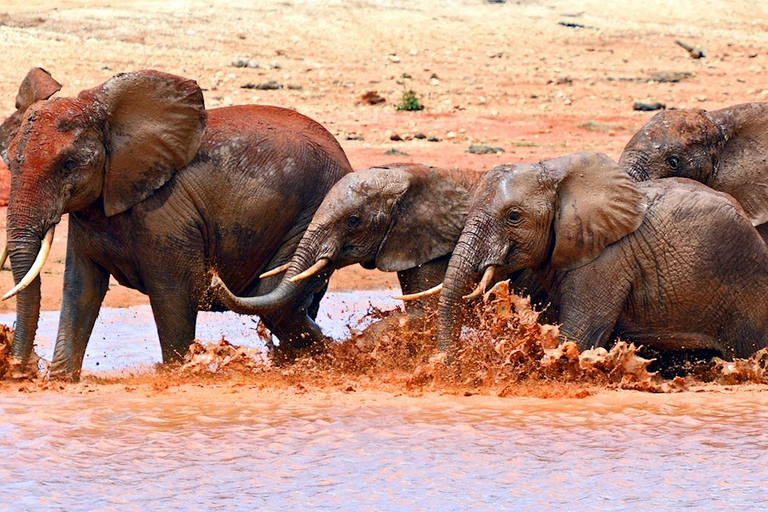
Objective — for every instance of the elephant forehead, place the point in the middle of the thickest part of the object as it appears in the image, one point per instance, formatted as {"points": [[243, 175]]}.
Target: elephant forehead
{"points": [[679, 126], [517, 184], [47, 128]]}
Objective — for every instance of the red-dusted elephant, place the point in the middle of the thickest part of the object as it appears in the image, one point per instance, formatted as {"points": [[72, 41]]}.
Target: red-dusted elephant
{"points": [[159, 191]]}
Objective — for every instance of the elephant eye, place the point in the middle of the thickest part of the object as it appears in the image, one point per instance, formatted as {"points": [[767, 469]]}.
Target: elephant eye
{"points": [[513, 216], [673, 162], [353, 221]]}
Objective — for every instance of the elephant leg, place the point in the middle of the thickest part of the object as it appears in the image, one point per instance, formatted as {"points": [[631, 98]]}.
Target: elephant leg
{"points": [[176, 318], [591, 304], [85, 285]]}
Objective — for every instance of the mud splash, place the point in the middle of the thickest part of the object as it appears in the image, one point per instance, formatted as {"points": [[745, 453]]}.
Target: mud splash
{"points": [[508, 352]]}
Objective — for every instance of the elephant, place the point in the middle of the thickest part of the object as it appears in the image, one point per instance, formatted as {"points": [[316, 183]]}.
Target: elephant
{"points": [[160, 190], [725, 149], [403, 218], [667, 263]]}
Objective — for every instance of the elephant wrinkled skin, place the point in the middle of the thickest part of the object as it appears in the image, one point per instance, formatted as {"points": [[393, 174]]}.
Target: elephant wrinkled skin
{"points": [[402, 218], [668, 263], [725, 149], [159, 191]]}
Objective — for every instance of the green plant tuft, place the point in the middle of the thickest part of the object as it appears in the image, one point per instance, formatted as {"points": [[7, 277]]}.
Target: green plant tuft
{"points": [[409, 102]]}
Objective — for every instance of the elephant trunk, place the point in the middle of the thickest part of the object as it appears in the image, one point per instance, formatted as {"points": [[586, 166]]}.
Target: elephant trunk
{"points": [[23, 248], [462, 269], [286, 292], [635, 163]]}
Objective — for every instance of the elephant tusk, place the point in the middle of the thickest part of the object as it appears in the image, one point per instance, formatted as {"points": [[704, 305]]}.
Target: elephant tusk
{"points": [[314, 269], [37, 266], [484, 282], [275, 271], [3, 257], [420, 295]]}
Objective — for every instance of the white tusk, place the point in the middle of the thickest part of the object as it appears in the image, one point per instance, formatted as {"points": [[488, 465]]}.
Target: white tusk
{"points": [[275, 271], [314, 269], [484, 282], [420, 295], [37, 266], [3, 257]]}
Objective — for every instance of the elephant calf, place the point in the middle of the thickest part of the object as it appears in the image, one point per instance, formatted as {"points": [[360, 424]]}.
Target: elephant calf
{"points": [[403, 218], [666, 263], [725, 149]]}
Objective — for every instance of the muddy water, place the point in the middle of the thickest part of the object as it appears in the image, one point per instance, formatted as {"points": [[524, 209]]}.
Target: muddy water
{"points": [[217, 447], [126, 338], [185, 453]]}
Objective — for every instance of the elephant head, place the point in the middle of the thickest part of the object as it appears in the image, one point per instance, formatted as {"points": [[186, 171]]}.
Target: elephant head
{"points": [[559, 213], [725, 149], [108, 148], [391, 218], [38, 85]]}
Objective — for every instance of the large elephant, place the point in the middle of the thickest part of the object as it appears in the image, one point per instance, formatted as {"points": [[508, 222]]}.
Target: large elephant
{"points": [[403, 218], [725, 149], [666, 263], [156, 198]]}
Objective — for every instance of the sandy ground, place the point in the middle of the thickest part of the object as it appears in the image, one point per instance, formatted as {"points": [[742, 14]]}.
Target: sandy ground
{"points": [[505, 75]]}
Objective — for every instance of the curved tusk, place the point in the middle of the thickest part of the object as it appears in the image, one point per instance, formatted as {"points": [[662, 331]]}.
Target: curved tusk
{"points": [[314, 269], [275, 271], [484, 282], [3, 257], [37, 265], [420, 295]]}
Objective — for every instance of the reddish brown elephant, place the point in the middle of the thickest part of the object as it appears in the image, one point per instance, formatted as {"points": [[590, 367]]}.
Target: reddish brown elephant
{"points": [[159, 191], [726, 149]]}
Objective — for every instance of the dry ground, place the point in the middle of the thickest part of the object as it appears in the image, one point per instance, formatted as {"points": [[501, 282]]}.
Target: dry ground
{"points": [[506, 75]]}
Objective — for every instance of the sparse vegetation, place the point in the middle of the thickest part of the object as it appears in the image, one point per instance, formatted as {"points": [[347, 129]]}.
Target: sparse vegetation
{"points": [[409, 101]]}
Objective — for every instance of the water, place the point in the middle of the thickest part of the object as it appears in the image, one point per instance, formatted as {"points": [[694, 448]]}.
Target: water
{"points": [[222, 448], [126, 338]]}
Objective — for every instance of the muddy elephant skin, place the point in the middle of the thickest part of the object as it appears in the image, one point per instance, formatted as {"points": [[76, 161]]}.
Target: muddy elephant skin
{"points": [[668, 263], [158, 192], [725, 149]]}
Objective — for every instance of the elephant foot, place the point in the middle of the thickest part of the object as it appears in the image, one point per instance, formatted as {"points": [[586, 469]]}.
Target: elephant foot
{"points": [[288, 353]]}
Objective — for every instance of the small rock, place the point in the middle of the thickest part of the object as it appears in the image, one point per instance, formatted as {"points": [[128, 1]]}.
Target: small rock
{"points": [[272, 85], [393, 58], [241, 62], [395, 137], [434, 76], [419, 136], [295, 87], [648, 107], [479, 149], [372, 98], [353, 136], [434, 139], [669, 78], [393, 151]]}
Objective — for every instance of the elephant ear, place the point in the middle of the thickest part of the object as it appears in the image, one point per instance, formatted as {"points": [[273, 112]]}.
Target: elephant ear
{"points": [[38, 85], [598, 204], [742, 170], [426, 221], [154, 126]]}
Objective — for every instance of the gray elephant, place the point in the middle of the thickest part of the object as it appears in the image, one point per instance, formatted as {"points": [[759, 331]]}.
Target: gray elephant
{"points": [[403, 218], [156, 197], [666, 263], [725, 149]]}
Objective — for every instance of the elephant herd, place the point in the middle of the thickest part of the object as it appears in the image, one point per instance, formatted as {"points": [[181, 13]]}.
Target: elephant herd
{"points": [[252, 208]]}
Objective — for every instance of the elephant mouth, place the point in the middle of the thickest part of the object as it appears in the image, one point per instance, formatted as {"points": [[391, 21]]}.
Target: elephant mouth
{"points": [[319, 265], [487, 276]]}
